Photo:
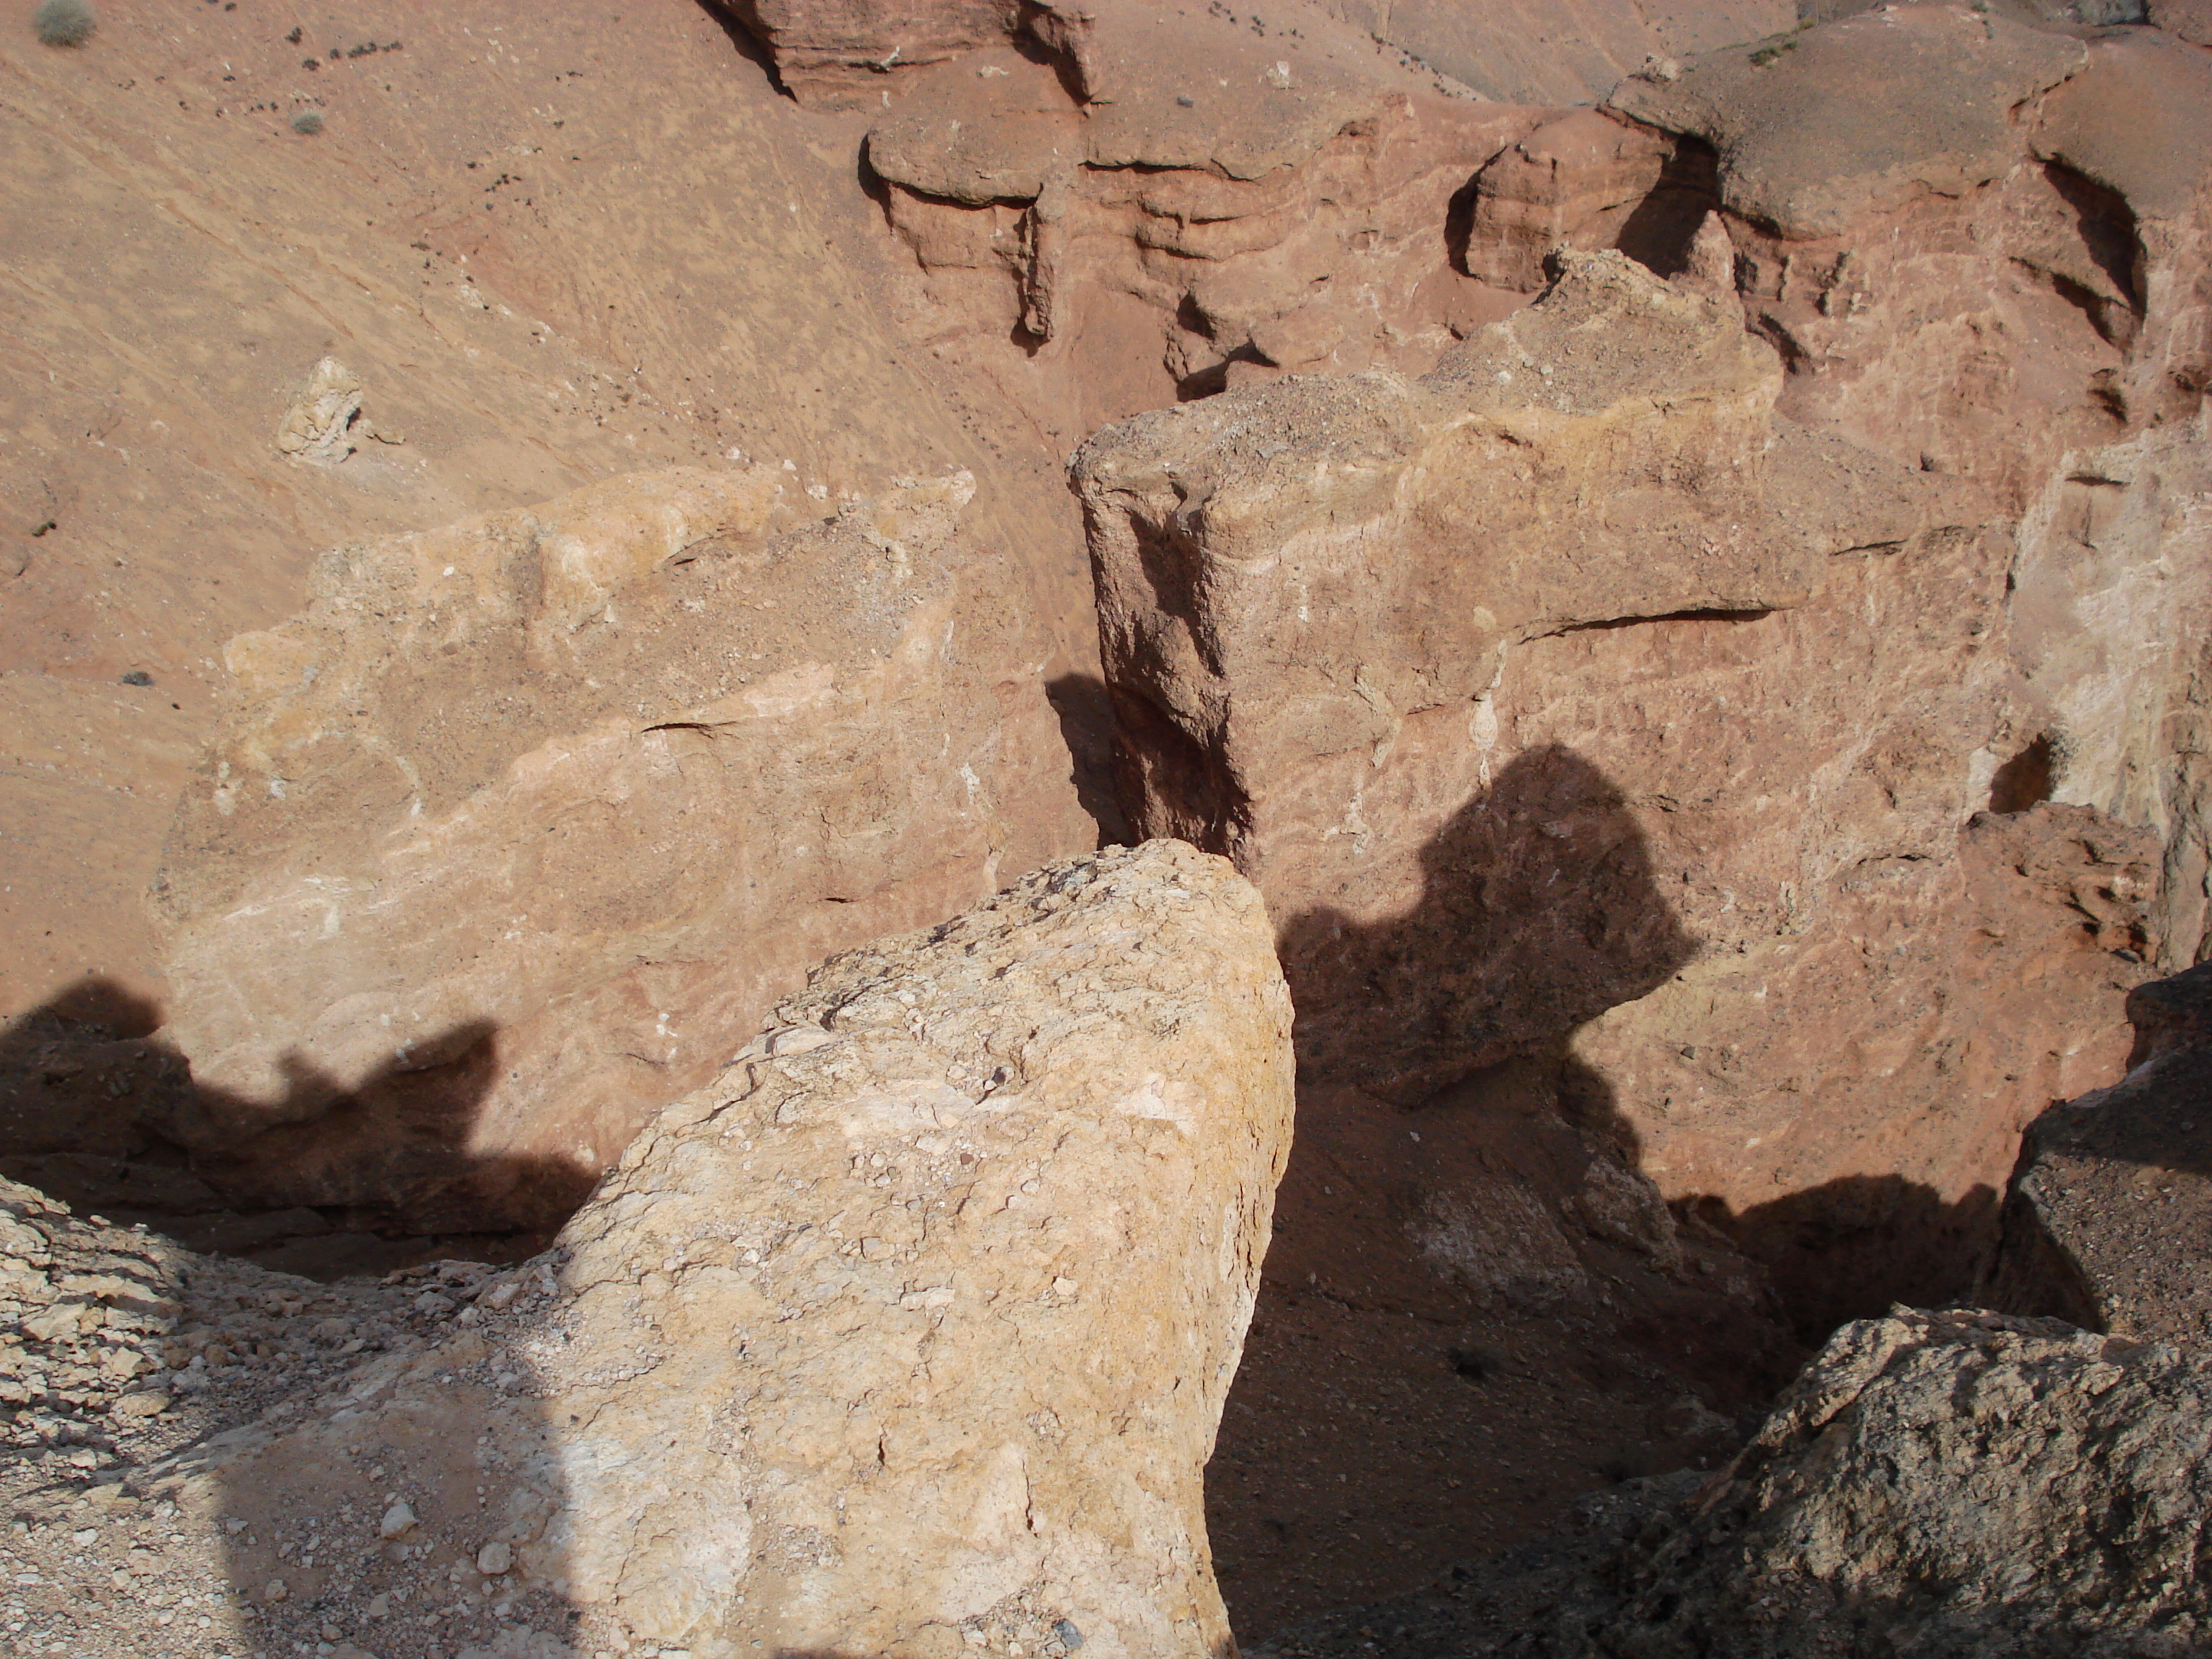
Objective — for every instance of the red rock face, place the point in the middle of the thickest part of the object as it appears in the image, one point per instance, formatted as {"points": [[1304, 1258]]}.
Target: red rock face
{"points": [[526, 820], [1603, 686]]}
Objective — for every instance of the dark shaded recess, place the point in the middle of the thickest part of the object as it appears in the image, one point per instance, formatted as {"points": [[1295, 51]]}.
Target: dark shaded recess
{"points": [[1708, 614], [1178, 786], [2025, 780], [1539, 910], [1851, 1249], [2107, 227], [1459, 218], [99, 1112], [1658, 233], [737, 21], [1086, 713], [1213, 379]]}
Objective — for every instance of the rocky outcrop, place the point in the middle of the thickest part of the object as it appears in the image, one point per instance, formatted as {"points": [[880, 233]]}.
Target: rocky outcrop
{"points": [[841, 53], [1941, 1484], [909, 1332], [1425, 658], [2108, 1219], [517, 829], [1153, 206], [849, 53], [2027, 307], [1559, 54], [1814, 129]]}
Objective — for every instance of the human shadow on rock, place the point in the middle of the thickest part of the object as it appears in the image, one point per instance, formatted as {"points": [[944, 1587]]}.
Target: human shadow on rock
{"points": [[1537, 912], [1853, 1248], [1475, 1307], [97, 1110]]}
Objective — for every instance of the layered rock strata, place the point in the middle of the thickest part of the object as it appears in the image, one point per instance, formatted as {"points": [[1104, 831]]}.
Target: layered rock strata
{"points": [[1570, 690], [517, 829], [1979, 249], [1156, 206], [909, 1332], [2106, 1220]]}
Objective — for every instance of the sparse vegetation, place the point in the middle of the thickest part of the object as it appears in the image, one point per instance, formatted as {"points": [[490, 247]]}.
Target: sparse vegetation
{"points": [[64, 22], [307, 122]]}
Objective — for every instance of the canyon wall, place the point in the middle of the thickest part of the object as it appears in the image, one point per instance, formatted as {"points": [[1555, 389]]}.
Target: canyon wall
{"points": [[1775, 683], [509, 832]]}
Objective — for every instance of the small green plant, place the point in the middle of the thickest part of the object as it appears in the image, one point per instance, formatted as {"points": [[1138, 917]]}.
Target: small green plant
{"points": [[64, 23], [307, 122]]}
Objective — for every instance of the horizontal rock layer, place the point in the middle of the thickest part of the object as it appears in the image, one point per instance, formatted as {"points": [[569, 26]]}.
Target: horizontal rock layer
{"points": [[519, 827]]}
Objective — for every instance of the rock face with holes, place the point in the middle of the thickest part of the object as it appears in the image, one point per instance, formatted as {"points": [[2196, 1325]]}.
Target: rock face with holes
{"points": [[518, 828], [1944, 1484], [1571, 700], [908, 1332], [2107, 1221]]}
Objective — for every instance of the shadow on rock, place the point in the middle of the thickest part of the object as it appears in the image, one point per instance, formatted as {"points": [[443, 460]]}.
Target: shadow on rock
{"points": [[97, 1110], [1476, 1306], [1537, 912], [1853, 1248]]}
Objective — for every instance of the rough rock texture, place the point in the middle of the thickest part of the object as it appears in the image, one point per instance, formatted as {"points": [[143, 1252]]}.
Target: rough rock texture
{"points": [[909, 1332], [1586, 181], [839, 53], [1139, 206], [849, 53], [2107, 1220], [2046, 331], [1941, 1483], [1812, 130], [122, 1350], [1373, 638], [520, 826], [1559, 54], [535, 290]]}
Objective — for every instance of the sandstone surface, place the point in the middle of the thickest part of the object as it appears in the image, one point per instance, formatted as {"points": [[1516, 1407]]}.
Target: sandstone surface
{"points": [[850, 53], [1811, 130], [1138, 206], [2106, 1222], [536, 288], [909, 1332], [522, 824], [1426, 657]]}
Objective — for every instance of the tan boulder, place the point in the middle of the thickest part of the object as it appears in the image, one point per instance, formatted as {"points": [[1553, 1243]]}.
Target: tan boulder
{"points": [[523, 822], [909, 1331]]}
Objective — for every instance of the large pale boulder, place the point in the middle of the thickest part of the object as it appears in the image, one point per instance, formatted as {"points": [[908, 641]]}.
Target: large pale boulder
{"points": [[1569, 702], [909, 1331], [523, 823]]}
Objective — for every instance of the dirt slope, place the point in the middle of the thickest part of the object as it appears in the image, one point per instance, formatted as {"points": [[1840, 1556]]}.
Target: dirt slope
{"points": [[553, 243]]}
